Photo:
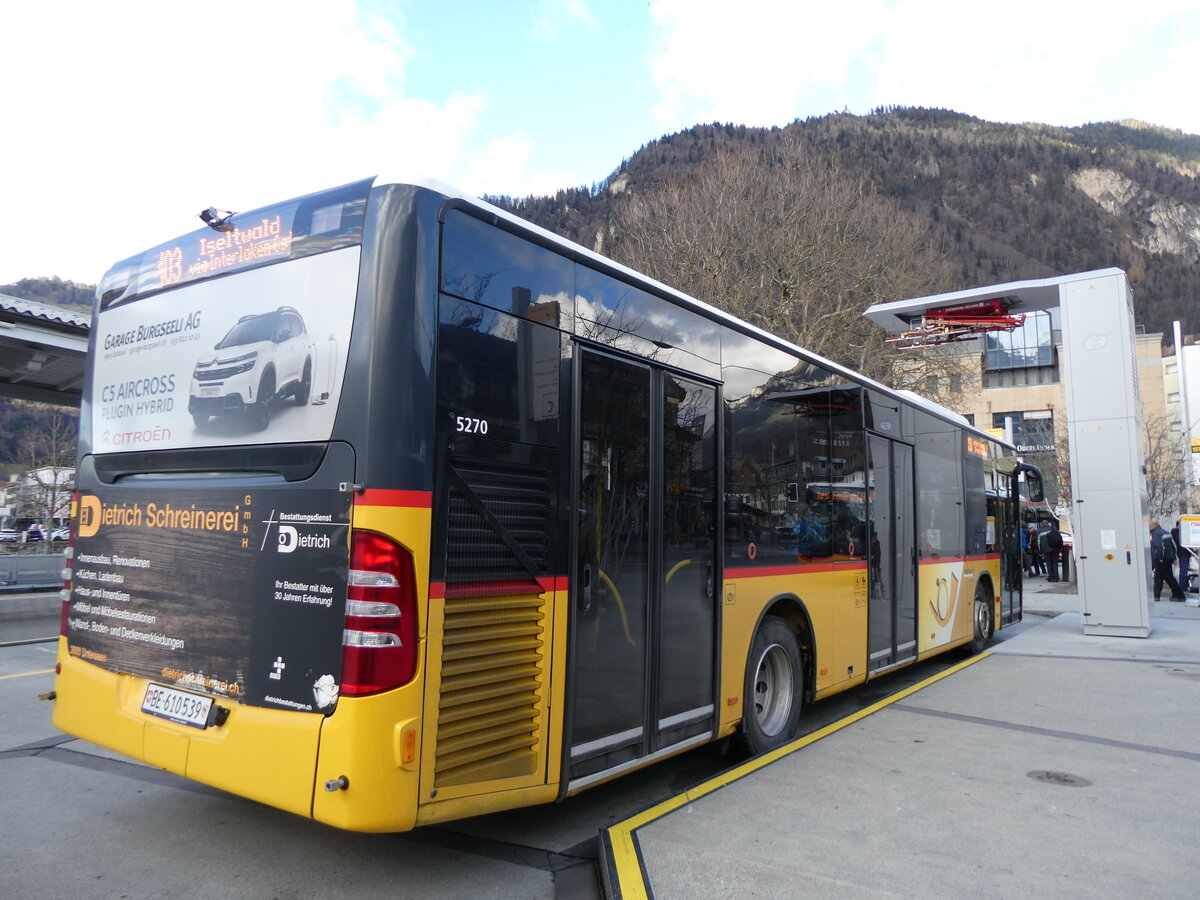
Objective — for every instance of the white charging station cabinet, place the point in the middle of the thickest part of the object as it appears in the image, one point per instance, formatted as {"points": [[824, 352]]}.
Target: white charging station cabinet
{"points": [[1108, 480]]}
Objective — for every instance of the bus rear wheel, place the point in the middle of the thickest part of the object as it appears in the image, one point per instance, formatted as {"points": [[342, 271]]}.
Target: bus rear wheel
{"points": [[984, 626], [774, 688]]}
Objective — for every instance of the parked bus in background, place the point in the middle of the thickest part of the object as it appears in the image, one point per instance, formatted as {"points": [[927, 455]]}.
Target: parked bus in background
{"points": [[394, 509]]}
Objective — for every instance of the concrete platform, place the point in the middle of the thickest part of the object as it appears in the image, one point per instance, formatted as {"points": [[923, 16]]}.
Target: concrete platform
{"points": [[1058, 764]]}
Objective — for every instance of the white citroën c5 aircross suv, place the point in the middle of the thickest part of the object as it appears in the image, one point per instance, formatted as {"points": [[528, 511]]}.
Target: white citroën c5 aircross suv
{"points": [[264, 358]]}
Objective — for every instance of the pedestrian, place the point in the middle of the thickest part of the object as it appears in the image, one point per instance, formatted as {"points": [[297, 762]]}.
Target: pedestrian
{"points": [[1052, 544], [1185, 558], [1014, 557], [1162, 556], [1036, 564]]}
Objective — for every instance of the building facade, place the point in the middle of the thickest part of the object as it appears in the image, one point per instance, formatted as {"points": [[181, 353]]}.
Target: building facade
{"points": [[1181, 383], [1013, 382]]}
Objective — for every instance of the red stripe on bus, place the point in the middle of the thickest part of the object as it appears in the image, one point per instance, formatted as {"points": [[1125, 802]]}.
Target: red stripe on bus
{"points": [[381, 497], [438, 590], [808, 568]]}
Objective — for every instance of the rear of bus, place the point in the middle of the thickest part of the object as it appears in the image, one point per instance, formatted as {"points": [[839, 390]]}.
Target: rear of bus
{"points": [[253, 507]]}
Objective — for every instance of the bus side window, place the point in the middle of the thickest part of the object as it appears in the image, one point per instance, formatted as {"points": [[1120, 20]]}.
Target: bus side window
{"points": [[488, 265]]}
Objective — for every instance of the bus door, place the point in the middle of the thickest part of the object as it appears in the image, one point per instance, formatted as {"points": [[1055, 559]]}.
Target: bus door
{"points": [[1005, 508], [643, 596], [892, 569]]}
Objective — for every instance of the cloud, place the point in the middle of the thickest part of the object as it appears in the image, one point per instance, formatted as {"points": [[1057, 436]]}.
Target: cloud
{"points": [[502, 166], [128, 117], [144, 113], [1036, 62], [757, 63], [767, 62], [554, 14]]}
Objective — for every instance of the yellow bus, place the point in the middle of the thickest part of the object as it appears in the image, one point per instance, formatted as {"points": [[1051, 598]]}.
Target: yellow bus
{"points": [[394, 509]]}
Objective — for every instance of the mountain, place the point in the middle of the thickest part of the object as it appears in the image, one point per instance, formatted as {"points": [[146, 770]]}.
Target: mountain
{"points": [[1000, 202], [55, 291]]}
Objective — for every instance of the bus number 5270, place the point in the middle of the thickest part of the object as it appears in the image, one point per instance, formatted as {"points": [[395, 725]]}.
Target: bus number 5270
{"points": [[470, 425]]}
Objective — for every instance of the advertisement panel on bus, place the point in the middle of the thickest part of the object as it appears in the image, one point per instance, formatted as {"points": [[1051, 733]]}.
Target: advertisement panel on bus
{"points": [[254, 359], [234, 592]]}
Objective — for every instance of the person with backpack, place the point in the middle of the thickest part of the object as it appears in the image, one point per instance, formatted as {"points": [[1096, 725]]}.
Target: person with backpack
{"points": [[1162, 555], [1052, 544]]}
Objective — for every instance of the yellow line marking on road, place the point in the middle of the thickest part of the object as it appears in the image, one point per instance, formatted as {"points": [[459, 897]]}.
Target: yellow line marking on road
{"points": [[630, 874], [27, 674]]}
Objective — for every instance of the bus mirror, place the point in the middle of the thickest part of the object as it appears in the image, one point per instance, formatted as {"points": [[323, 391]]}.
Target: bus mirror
{"points": [[793, 492], [1033, 482], [1034, 485]]}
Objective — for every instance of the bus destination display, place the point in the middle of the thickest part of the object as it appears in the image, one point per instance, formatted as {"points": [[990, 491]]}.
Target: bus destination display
{"points": [[270, 238]]}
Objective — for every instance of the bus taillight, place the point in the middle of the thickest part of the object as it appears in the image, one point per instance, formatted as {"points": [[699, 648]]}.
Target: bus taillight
{"points": [[379, 643]]}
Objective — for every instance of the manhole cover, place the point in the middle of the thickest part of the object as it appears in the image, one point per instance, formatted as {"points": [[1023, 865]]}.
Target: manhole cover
{"points": [[1065, 778]]}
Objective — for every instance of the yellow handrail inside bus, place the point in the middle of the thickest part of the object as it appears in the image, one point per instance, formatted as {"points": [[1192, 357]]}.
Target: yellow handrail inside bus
{"points": [[620, 605], [675, 568]]}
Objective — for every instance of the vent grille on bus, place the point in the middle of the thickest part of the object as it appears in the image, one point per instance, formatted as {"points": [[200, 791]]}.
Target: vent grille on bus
{"points": [[493, 662], [492, 677], [492, 550]]}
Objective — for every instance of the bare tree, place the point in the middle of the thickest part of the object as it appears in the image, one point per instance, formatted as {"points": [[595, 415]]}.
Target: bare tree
{"points": [[786, 241], [949, 374], [1056, 464], [47, 456], [1165, 474]]}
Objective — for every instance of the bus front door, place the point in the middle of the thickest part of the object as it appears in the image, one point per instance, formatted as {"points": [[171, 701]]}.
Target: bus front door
{"points": [[643, 597], [1007, 514], [892, 614]]}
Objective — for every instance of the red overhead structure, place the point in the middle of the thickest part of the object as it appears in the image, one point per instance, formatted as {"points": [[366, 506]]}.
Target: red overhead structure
{"points": [[945, 324]]}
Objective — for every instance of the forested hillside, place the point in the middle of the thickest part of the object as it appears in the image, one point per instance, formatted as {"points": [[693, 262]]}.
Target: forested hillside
{"points": [[997, 202], [32, 433], [55, 291], [800, 228]]}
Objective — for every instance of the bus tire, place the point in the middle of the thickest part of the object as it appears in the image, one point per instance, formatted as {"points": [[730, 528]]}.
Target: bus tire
{"points": [[984, 626], [774, 688], [303, 389], [200, 420]]}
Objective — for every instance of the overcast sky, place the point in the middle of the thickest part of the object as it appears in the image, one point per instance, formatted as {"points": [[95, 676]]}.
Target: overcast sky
{"points": [[126, 118]]}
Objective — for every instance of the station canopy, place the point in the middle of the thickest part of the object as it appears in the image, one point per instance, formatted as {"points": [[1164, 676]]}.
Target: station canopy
{"points": [[43, 349], [923, 322]]}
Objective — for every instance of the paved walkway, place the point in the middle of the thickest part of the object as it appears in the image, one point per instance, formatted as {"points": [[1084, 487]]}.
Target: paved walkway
{"points": [[1058, 765]]}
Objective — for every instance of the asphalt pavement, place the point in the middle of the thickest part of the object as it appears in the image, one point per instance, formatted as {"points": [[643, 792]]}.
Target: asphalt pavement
{"points": [[29, 616], [1057, 764]]}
